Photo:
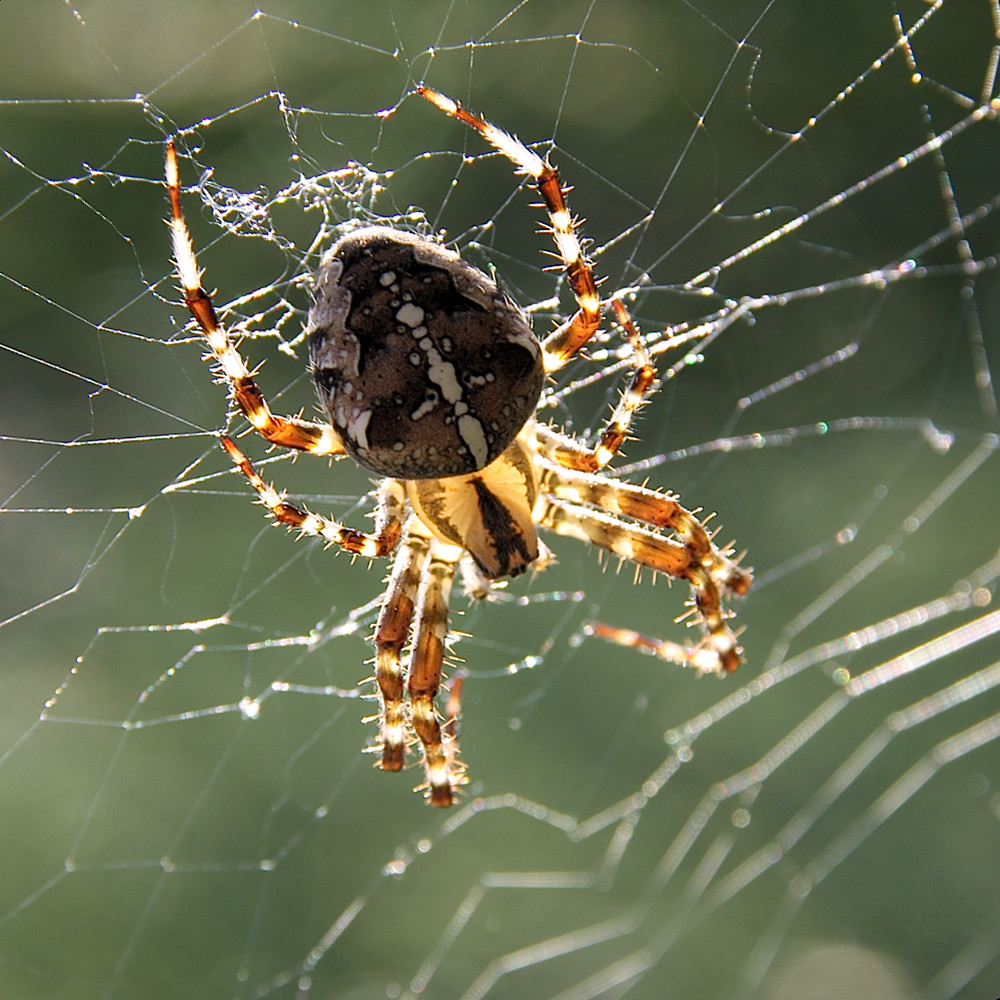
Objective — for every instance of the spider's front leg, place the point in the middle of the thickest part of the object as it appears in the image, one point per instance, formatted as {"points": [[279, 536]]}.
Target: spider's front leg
{"points": [[415, 609], [427, 653], [703, 660], [391, 633], [598, 510]]}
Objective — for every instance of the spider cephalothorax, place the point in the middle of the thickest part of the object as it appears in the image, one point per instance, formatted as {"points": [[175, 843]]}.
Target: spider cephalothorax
{"points": [[429, 375]]}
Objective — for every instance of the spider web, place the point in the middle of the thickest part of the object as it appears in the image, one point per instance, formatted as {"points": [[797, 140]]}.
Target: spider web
{"points": [[806, 197]]}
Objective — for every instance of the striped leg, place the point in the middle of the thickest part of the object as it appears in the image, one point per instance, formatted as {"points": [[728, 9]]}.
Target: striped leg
{"points": [[719, 650], [391, 633], [562, 344], [703, 659], [659, 510], [388, 513], [430, 630], [574, 455], [289, 432], [632, 398]]}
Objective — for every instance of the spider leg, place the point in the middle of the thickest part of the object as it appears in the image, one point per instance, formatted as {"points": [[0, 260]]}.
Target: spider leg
{"points": [[564, 342], [700, 658], [660, 510], [391, 632], [289, 432], [388, 514], [416, 599], [719, 651], [427, 652], [572, 454], [617, 427]]}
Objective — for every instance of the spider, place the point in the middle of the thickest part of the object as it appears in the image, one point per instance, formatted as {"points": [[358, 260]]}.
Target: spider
{"points": [[429, 375]]}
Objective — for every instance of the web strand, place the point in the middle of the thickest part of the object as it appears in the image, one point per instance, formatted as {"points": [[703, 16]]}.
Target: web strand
{"points": [[800, 213]]}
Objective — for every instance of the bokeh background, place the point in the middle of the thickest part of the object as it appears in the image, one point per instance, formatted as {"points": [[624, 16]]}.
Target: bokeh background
{"points": [[629, 830]]}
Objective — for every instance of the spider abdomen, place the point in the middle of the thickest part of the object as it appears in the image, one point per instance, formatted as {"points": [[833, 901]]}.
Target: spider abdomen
{"points": [[422, 365]]}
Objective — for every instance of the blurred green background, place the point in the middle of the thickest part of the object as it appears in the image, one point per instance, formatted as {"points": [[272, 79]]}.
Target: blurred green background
{"points": [[629, 830]]}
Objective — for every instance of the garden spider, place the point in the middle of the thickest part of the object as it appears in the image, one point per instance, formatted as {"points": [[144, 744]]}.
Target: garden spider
{"points": [[429, 375]]}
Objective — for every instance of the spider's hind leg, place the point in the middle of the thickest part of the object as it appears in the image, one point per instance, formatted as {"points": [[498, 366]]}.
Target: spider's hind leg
{"points": [[564, 342], [288, 432]]}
